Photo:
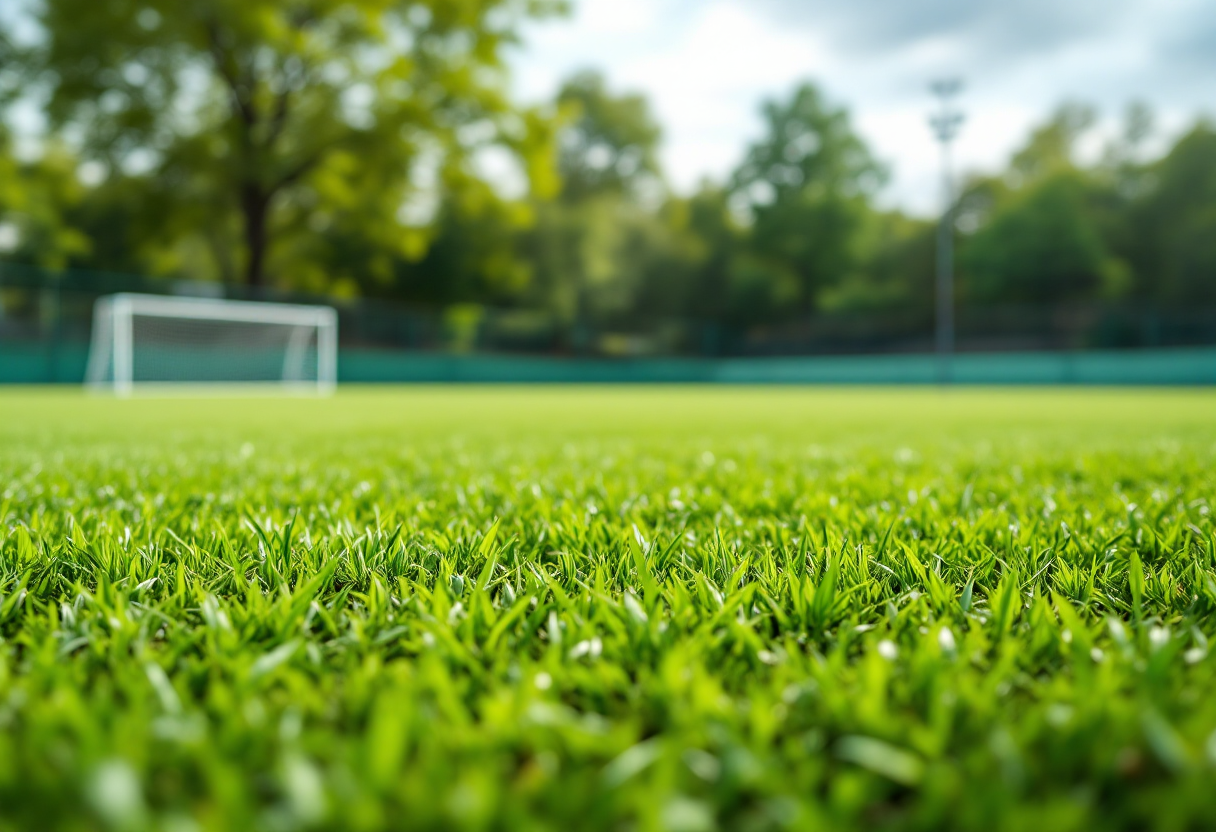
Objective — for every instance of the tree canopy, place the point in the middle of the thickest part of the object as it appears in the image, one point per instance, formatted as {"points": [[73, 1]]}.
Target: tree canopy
{"points": [[808, 184], [277, 119], [359, 147]]}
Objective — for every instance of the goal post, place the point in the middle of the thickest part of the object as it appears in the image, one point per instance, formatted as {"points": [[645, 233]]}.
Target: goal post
{"points": [[156, 342]]}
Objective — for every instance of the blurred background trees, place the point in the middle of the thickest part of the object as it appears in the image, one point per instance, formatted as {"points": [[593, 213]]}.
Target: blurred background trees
{"points": [[808, 186], [282, 139], [343, 148]]}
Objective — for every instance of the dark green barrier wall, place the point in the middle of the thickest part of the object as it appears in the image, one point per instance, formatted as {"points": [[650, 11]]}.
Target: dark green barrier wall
{"points": [[39, 364], [36, 365], [1174, 367]]}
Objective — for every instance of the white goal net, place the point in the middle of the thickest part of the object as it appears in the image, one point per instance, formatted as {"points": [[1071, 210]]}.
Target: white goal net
{"points": [[152, 341]]}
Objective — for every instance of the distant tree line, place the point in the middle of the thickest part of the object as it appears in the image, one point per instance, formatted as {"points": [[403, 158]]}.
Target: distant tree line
{"points": [[341, 147]]}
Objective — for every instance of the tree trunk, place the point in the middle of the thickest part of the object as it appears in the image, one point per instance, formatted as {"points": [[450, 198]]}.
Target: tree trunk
{"points": [[255, 206]]}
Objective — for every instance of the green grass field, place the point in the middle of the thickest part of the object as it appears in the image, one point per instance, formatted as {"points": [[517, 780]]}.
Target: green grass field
{"points": [[609, 608]]}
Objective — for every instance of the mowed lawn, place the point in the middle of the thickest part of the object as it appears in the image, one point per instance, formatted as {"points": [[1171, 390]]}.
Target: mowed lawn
{"points": [[609, 608]]}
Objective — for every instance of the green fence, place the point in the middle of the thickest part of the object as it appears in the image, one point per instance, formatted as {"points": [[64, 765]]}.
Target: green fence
{"points": [[1197, 366], [52, 312], [1142, 367]]}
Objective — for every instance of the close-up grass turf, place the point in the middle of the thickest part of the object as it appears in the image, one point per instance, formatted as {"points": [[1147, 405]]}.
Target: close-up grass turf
{"points": [[609, 608]]}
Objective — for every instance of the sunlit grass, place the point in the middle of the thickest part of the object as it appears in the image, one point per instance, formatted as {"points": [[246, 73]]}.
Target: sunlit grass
{"points": [[602, 608]]}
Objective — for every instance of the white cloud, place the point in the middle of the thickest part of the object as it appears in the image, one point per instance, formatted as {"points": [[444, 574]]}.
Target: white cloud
{"points": [[618, 17], [704, 85], [707, 65]]}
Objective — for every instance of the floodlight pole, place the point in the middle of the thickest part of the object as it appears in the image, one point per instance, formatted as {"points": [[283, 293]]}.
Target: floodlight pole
{"points": [[946, 123]]}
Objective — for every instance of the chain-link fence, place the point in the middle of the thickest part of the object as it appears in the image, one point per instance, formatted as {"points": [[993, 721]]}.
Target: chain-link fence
{"points": [[46, 316]]}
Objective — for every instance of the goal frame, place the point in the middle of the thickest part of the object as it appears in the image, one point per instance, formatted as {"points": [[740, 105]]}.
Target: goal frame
{"points": [[113, 348]]}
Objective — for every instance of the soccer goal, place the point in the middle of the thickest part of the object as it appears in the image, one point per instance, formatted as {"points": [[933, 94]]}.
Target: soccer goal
{"points": [[158, 343]]}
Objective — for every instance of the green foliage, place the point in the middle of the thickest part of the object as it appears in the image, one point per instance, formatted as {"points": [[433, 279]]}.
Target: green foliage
{"points": [[1051, 230], [610, 142], [476, 252], [1040, 237], [1043, 245], [898, 272], [599, 243], [1176, 246], [1051, 147], [694, 267], [656, 609], [292, 117], [342, 147], [36, 200], [807, 184]]}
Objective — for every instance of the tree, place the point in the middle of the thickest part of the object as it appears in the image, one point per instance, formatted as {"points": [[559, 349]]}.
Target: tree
{"points": [[283, 113], [897, 269], [476, 253], [808, 186], [36, 198], [713, 238], [1051, 146], [591, 245], [1042, 233], [610, 144], [1043, 246], [35, 194], [1175, 222]]}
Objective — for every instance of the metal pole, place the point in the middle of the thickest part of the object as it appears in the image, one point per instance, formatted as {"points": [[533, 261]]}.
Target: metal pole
{"points": [[945, 274], [124, 348], [327, 352], [56, 324], [946, 124]]}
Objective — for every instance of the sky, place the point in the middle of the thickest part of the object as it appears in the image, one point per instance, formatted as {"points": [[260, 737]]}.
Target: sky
{"points": [[707, 65]]}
